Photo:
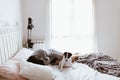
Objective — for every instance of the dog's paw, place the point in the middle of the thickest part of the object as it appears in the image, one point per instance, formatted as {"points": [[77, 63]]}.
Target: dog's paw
{"points": [[73, 67], [60, 69]]}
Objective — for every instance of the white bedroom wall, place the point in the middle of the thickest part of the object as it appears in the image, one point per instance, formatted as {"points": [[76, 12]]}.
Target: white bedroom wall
{"points": [[10, 13], [107, 19], [38, 11], [108, 27]]}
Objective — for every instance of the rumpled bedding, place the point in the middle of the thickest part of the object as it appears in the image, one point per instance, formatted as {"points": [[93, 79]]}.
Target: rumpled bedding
{"points": [[79, 71], [102, 63]]}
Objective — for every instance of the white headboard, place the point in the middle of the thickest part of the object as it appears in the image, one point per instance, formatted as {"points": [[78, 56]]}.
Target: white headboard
{"points": [[10, 42]]}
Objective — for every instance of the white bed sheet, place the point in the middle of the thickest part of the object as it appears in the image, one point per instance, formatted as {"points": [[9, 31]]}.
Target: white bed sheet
{"points": [[81, 72]]}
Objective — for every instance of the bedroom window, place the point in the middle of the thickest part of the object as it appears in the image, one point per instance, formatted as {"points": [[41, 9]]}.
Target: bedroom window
{"points": [[72, 26]]}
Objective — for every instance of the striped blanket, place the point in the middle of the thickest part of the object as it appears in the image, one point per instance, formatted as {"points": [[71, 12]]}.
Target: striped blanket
{"points": [[102, 63]]}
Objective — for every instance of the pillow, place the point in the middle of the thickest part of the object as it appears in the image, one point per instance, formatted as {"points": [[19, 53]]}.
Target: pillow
{"points": [[35, 72], [10, 70], [23, 54]]}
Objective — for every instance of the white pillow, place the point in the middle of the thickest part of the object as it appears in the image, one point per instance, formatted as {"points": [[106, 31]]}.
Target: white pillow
{"points": [[23, 54], [35, 71]]}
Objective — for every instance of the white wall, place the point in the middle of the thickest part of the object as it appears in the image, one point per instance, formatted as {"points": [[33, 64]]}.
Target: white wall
{"points": [[107, 19], [108, 24], [10, 13], [38, 10]]}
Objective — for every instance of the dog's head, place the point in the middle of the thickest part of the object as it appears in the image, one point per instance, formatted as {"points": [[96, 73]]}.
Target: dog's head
{"points": [[67, 55]]}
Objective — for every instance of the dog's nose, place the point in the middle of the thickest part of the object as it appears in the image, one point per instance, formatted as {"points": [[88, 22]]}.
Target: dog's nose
{"points": [[46, 59], [66, 60]]}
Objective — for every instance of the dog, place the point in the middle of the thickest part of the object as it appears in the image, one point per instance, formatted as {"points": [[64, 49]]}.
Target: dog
{"points": [[66, 61], [75, 57], [55, 56], [39, 57], [50, 57], [46, 57]]}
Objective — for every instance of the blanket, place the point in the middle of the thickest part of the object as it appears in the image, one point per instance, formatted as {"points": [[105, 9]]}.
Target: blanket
{"points": [[102, 63]]}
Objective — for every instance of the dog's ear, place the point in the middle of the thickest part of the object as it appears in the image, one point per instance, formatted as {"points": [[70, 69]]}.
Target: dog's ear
{"points": [[65, 54], [69, 55]]}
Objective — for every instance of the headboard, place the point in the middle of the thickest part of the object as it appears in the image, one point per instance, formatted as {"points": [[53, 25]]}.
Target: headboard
{"points": [[10, 42]]}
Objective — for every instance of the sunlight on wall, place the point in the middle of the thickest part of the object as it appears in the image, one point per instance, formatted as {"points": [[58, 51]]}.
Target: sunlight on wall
{"points": [[73, 25]]}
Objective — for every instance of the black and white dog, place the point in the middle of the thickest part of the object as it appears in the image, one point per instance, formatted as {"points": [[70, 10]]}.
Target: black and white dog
{"points": [[66, 61]]}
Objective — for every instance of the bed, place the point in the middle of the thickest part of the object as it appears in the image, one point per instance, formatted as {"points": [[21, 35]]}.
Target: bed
{"points": [[13, 64]]}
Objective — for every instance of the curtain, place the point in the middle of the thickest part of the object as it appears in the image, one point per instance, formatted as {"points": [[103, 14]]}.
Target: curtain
{"points": [[72, 26]]}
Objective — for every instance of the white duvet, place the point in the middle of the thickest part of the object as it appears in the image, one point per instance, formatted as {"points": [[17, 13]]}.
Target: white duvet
{"points": [[81, 72]]}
